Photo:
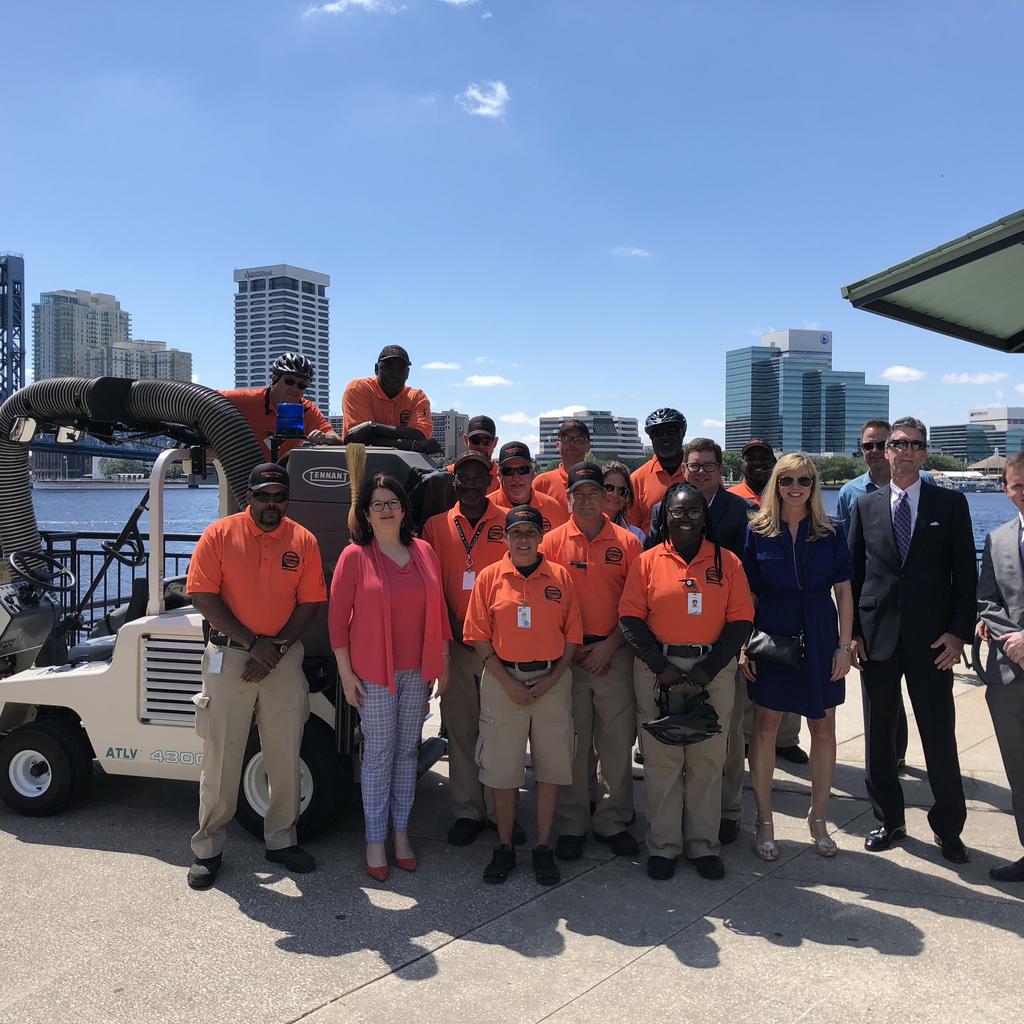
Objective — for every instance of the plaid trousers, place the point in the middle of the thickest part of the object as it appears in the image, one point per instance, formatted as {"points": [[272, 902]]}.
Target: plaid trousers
{"points": [[392, 725]]}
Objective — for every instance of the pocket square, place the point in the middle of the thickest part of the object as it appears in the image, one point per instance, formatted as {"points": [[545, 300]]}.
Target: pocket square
{"points": [[933, 524]]}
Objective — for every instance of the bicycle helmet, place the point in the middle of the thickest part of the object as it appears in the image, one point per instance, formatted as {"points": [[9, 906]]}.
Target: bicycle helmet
{"points": [[292, 362], [665, 416]]}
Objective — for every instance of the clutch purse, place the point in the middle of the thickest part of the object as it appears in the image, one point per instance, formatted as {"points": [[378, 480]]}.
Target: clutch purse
{"points": [[776, 648]]}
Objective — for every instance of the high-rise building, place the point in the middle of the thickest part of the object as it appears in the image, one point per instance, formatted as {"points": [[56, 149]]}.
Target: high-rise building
{"points": [[281, 309], [449, 426], [611, 437], [786, 392], [12, 324], [73, 333], [990, 430], [149, 360]]}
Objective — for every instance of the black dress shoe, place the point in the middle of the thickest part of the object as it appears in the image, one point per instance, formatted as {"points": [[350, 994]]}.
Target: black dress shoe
{"points": [[709, 867], [464, 831], [502, 864], [660, 868], [882, 838], [728, 830], [203, 873], [622, 844], [794, 754], [638, 757], [545, 870], [1008, 872], [518, 833], [569, 847], [294, 858], [953, 850]]}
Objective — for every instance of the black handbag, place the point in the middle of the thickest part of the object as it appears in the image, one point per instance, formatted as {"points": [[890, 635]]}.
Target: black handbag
{"points": [[779, 648]]}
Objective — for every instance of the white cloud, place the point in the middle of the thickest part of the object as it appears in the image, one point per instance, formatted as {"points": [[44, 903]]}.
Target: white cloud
{"points": [[517, 418], [756, 332], [902, 374], [486, 15], [566, 410], [459, 3], [427, 100], [974, 378], [195, 378], [486, 380], [340, 6], [811, 325], [629, 251], [439, 364], [1000, 394], [1019, 388], [480, 360], [718, 424], [486, 100]]}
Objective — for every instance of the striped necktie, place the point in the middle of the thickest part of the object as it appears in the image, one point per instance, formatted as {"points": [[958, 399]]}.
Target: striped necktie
{"points": [[901, 525]]}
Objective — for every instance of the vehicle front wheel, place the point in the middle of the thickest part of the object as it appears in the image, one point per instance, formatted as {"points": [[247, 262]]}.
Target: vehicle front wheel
{"points": [[325, 783], [45, 766]]}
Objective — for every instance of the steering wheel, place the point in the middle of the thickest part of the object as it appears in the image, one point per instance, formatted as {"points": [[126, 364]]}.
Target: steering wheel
{"points": [[133, 555], [27, 566]]}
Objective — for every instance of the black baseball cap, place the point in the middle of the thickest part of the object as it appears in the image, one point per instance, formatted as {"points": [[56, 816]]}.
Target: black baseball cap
{"points": [[269, 474], [394, 352], [578, 424], [477, 457], [481, 425], [524, 515], [756, 443], [585, 473], [513, 450]]}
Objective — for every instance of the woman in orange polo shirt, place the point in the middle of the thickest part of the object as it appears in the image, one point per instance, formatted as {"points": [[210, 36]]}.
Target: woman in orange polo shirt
{"points": [[525, 624], [686, 610]]}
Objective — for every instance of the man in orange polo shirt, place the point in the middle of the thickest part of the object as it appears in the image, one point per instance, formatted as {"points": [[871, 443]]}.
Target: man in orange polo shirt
{"points": [[757, 460], [383, 410], [666, 428], [465, 539], [256, 577], [598, 555], [518, 486], [573, 447], [290, 376], [481, 436]]}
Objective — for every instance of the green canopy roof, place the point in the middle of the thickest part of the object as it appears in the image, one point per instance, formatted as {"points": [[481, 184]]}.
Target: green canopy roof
{"points": [[971, 288]]}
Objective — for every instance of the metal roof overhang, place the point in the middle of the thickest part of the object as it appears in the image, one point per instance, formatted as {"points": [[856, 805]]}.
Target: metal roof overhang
{"points": [[971, 288]]}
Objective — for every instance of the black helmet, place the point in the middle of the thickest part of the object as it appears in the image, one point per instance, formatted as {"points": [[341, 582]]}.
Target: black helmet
{"points": [[684, 720], [660, 416], [292, 362]]}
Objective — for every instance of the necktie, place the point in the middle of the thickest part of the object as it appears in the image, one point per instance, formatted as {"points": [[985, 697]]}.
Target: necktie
{"points": [[901, 525]]}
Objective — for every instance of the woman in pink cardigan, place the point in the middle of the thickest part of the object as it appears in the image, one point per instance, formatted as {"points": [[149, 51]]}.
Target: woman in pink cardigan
{"points": [[390, 632]]}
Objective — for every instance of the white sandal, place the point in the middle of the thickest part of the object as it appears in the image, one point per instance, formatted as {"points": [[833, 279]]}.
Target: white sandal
{"points": [[767, 849], [824, 845]]}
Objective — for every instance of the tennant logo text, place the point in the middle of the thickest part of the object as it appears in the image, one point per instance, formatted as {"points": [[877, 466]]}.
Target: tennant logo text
{"points": [[326, 477]]}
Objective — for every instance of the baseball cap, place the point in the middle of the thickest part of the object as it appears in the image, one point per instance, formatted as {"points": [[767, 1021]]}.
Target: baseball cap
{"points": [[269, 474], [481, 425], [757, 443], [585, 473], [513, 450], [524, 515], [477, 457], [394, 352], [576, 424]]}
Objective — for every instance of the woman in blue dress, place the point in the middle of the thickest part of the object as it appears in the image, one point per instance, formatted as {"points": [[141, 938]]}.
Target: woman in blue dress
{"points": [[796, 558]]}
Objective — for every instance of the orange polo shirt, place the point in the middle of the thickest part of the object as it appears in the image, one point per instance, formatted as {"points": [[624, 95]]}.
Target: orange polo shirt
{"points": [[552, 512], [495, 476], [556, 483], [256, 406], [650, 482], [441, 534], [598, 569], [744, 491], [260, 576], [501, 590], [365, 400], [659, 588]]}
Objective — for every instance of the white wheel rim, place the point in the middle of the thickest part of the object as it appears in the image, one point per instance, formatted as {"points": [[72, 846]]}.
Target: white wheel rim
{"points": [[256, 785], [29, 773]]}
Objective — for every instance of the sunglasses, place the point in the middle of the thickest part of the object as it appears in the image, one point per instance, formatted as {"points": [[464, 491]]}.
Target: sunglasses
{"points": [[903, 444], [622, 492], [803, 481], [276, 497], [693, 514], [872, 446], [516, 470], [293, 382]]}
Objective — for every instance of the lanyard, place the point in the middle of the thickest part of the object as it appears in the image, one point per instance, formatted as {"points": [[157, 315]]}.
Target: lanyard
{"points": [[469, 545]]}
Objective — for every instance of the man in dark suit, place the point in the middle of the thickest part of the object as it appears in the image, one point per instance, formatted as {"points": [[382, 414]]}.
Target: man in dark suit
{"points": [[915, 593], [1001, 609]]}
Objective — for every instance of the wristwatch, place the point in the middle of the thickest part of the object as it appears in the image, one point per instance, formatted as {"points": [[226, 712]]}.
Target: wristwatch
{"points": [[845, 648]]}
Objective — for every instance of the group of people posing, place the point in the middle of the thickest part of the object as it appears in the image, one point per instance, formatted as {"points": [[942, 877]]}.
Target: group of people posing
{"points": [[572, 612]]}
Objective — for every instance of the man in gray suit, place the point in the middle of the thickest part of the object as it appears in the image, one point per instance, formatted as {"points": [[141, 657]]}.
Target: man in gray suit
{"points": [[1001, 610]]}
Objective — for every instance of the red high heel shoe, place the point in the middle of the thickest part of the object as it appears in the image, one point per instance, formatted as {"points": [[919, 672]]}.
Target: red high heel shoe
{"points": [[405, 863], [377, 874]]}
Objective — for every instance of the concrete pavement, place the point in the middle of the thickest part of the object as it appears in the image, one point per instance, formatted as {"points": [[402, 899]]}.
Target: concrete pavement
{"points": [[99, 926]]}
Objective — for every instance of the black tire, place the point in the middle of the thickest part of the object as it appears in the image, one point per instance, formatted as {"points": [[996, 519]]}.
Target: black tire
{"points": [[65, 765], [329, 772]]}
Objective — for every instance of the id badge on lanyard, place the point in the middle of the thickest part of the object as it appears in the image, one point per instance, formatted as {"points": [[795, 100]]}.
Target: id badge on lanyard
{"points": [[469, 576]]}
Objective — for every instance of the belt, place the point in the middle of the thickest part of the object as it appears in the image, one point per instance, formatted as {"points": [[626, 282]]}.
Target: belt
{"points": [[527, 666], [220, 640], [687, 650], [594, 639]]}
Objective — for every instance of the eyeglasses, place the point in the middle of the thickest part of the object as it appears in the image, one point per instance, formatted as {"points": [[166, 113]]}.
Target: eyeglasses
{"points": [[392, 506], [292, 382], [701, 467], [622, 492], [872, 446], [277, 497], [693, 514], [803, 481], [572, 438], [903, 444], [516, 470]]}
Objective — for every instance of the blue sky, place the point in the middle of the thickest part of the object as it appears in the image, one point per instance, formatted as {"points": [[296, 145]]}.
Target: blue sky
{"points": [[566, 202]]}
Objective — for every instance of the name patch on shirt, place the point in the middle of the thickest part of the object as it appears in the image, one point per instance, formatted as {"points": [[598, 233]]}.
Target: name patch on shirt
{"points": [[290, 561], [553, 593], [613, 556], [713, 576], [405, 417], [495, 533]]}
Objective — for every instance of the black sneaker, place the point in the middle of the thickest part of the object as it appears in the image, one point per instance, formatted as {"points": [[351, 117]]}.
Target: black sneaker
{"points": [[518, 833], [660, 868], [545, 870], [464, 831], [294, 859], [709, 867], [502, 864], [728, 830], [569, 847], [203, 873], [794, 754], [622, 844]]}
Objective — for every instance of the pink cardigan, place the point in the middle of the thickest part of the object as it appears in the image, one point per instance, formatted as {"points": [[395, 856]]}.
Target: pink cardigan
{"points": [[360, 612]]}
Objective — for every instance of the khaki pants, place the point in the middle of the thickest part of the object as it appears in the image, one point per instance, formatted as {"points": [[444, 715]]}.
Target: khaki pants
{"points": [[732, 776], [687, 779], [604, 710], [460, 711], [280, 704]]}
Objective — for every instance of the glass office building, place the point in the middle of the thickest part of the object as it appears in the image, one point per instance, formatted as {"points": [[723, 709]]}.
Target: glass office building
{"points": [[993, 430]]}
